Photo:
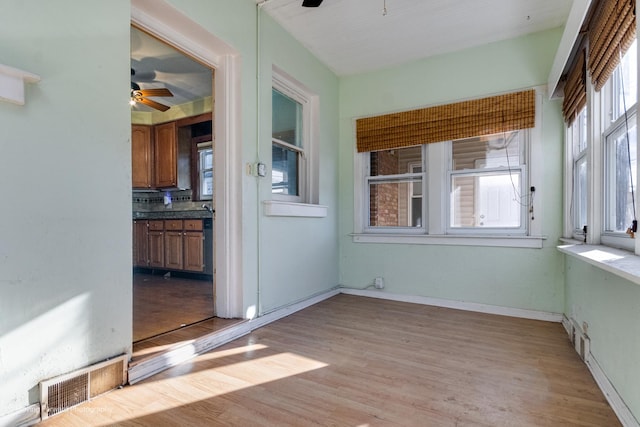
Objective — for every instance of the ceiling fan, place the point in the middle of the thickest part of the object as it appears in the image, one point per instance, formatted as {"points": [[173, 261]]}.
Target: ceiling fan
{"points": [[141, 95]]}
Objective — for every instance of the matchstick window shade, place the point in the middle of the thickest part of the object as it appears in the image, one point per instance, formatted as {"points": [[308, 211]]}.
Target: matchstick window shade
{"points": [[575, 89], [486, 116], [611, 32]]}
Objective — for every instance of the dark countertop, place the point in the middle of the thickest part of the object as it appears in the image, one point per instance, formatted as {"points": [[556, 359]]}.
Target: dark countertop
{"points": [[173, 214]]}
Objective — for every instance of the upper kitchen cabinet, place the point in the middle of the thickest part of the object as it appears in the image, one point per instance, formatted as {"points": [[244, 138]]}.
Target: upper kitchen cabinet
{"points": [[166, 155], [141, 157]]}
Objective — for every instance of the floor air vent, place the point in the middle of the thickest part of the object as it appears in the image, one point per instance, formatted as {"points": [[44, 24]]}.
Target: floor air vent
{"points": [[66, 391]]}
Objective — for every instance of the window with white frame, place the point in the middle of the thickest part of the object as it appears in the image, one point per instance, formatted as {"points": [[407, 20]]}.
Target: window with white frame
{"points": [[577, 136], [394, 188], [482, 188], [287, 148], [619, 97], [205, 170], [602, 148], [294, 159], [487, 183]]}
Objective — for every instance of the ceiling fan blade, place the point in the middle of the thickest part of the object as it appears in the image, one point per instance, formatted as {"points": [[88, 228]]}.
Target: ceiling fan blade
{"points": [[152, 104], [311, 3], [155, 92]]}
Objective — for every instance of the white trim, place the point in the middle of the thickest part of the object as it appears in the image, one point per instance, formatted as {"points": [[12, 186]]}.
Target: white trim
{"points": [[282, 208], [572, 29], [611, 394], [12, 82], [185, 351], [458, 305], [167, 23], [24, 417], [532, 242], [189, 349], [608, 390], [279, 313], [309, 165], [616, 261]]}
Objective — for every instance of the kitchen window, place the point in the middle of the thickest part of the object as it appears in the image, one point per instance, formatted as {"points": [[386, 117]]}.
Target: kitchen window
{"points": [[205, 170]]}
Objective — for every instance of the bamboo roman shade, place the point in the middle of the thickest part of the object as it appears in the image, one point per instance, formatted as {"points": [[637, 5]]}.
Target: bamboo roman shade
{"points": [[465, 119], [575, 89], [611, 32]]}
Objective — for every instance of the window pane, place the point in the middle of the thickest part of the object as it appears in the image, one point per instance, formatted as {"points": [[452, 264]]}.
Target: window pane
{"points": [[579, 133], [621, 177], [206, 184], [581, 193], [391, 203], [286, 120], [284, 172], [485, 200], [491, 151], [394, 162], [205, 172], [624, 84]]}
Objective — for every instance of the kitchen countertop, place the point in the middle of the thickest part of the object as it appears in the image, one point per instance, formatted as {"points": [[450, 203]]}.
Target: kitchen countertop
{"points": [[173, 214]]}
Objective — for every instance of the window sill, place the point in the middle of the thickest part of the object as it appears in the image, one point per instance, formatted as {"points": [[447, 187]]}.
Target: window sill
{"points": [[278, 208], [616, 261], [532, 242]]}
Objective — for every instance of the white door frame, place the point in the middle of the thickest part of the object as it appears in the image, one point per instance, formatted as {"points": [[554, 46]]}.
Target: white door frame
{"points": [[162, 20]]}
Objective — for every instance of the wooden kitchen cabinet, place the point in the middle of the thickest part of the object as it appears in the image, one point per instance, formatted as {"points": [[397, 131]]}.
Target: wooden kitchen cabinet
{"points": [[141, 157], [169, 244], [193, 244], [165, 155], [173, 244], [140, 243], [156, 243]]}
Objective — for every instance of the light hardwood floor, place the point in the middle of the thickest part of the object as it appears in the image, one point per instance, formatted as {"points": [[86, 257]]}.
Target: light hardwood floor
{"points": [[162, 304], [355, 361]]}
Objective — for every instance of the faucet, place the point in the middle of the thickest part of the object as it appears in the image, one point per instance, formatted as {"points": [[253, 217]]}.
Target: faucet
{"points": [[207, 207]]}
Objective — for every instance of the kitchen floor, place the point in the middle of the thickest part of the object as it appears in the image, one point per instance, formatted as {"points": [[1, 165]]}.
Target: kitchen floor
{"points": [[170, 310], [162, 304]]}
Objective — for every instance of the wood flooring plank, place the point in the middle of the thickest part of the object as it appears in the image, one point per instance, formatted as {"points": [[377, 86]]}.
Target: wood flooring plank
{"points": [[352, 361]]}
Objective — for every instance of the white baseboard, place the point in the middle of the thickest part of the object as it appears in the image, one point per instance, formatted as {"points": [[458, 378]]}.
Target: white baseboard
{"points": [[24, 417], [617, 404], [608, 390], [290, 309], [459, 305]]}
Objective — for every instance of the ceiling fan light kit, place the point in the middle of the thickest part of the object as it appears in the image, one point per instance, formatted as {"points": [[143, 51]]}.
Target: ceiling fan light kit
{"points": [[139, 95]]}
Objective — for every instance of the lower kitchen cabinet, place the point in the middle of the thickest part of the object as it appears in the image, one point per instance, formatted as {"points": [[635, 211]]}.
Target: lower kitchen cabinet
{"points": [[169, 244], [140, 243], [156, 243]]}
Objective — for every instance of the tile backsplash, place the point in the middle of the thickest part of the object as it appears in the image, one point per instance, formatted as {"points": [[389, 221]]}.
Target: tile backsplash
{"points": [[155, 201]]}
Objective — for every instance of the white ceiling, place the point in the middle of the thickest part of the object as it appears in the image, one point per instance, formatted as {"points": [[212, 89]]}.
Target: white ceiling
{"points": [[353, 36], [158, 65]]}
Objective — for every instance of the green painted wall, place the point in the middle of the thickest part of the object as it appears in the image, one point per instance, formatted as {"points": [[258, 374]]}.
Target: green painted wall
{"points": [[611, 307], [521, 278], [65, 250]]}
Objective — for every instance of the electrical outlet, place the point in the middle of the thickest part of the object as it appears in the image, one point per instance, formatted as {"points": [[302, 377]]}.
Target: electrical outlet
{"points": [[378, 282]]}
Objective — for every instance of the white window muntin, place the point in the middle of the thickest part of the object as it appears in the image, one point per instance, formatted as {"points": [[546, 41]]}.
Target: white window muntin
{"points": [[578, 140], [521, 191], [407, 178], [616, 132], [291, 88]]}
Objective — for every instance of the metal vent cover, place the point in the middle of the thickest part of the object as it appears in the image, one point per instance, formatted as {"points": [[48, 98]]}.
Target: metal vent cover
{"points": [[66, 391]]}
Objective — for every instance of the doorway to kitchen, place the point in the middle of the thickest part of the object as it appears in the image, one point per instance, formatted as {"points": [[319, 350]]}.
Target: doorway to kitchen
{"points": [[180, 294]]}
